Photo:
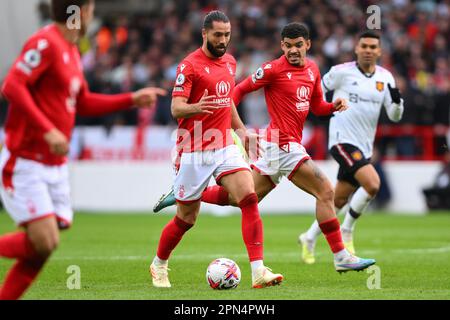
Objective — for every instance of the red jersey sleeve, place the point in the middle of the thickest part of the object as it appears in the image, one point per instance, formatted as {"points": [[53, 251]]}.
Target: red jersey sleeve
{"points": [[184, 80], [261, 78], [94, 104], [318, 106], [34, 61]]}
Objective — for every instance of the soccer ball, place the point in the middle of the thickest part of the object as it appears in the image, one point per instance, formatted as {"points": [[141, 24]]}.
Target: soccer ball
{"points": [[223, 274]]}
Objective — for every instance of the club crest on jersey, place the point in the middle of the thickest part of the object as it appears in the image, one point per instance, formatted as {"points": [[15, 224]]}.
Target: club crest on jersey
{"points": [[357, 155], [311, 74], [289, 75], [230, 68], [303, 97], [223, 89], [380, 86]]}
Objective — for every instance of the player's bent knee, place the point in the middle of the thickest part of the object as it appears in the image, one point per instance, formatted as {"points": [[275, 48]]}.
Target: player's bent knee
{"points": [[326, 195], [372, 189], [44, 247], [340, 202]]}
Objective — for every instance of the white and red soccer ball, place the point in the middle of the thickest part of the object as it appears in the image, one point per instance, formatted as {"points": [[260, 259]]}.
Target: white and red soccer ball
{"points": [[223, 274]]}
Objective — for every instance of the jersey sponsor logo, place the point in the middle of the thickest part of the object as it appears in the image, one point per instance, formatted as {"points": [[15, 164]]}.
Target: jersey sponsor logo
{"points": [[303, 97], [380, 86], [289, 75], [223, 89], [207, 69], [180, 80], [311, 75]]}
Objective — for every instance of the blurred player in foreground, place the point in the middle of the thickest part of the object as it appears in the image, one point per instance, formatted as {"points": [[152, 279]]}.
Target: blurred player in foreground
{"points": [[46, 88], [368, 88], [202, 102], [292, 88]]}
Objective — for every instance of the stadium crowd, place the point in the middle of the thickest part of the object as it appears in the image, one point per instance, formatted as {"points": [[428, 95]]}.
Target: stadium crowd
{"points": [[129, 51]]}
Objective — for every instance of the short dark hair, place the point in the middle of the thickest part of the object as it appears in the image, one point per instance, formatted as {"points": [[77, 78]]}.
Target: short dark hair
{"points": [[59, 8], [214, 16], [369, 34], [295, 30]]}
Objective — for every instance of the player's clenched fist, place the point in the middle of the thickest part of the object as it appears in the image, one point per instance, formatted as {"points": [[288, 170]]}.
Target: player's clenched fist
{"points": [[147, 97], [57, 141], [340, 105]]}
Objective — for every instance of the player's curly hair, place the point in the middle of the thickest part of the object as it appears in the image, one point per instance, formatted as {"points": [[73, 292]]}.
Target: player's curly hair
{"points": [[295, 30], [59, 8], [214, 16]]}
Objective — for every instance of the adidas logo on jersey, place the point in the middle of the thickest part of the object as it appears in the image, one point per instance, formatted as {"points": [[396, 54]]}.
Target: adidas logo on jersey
{"points": [[289, 75], [355, 83]]}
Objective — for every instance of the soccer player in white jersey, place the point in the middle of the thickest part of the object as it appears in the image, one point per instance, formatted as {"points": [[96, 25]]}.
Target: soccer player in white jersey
{"points": [[368, 87]]}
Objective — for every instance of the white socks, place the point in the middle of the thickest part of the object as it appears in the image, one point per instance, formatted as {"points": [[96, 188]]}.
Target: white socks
{"points": [[358, 204], [160, 263], [255, 265], [313, 231], [338, 256]]}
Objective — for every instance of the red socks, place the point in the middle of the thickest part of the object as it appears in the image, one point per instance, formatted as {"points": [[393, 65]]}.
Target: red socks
{"points": [[252, 227], [216, 195], [25, 270], [20, 277], [332, 231], [171, 236], [16, 246]]}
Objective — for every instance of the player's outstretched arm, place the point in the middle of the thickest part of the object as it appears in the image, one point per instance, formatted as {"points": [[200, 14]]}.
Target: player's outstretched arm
{"points": [[182, 110], [93, 104]]}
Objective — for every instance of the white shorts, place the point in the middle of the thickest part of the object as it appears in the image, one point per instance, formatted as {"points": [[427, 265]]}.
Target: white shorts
{"points": [[276, 162], [31, 190], [196, 168]]}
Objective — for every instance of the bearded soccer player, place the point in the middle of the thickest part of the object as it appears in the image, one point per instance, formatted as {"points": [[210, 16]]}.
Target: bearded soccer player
{"points": [[368, 87], [46, 88], [292, 87], [202, 103]]}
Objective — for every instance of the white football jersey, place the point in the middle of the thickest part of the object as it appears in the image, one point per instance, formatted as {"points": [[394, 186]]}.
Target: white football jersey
{"points": [[365, 94]]}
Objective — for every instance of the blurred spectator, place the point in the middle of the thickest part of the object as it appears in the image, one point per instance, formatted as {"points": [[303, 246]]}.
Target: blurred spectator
{"points": [[438, 196]]}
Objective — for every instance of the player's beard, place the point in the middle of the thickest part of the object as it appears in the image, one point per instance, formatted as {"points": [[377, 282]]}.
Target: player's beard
{"points": [[214, 51]]}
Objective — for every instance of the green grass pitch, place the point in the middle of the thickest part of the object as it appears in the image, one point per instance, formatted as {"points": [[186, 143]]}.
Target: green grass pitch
{"points": [[113, 253]]}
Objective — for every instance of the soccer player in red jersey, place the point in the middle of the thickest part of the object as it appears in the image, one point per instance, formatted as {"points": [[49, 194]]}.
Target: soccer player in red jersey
{"points": [[292, 87], [202, 103], [46, 88]]}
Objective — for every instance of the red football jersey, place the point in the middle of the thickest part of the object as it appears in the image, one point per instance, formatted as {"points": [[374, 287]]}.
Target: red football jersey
{"points": [[195, 74], [45, 88], [290, 92]]}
